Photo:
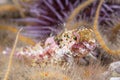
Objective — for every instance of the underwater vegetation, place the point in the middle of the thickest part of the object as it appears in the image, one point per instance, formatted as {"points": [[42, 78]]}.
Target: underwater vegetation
{"points": [[64, 22]]}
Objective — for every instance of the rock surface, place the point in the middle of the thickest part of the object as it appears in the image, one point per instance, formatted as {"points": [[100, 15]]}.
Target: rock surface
{"points": [[115, 78], [115, 67], [114, 70]]}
